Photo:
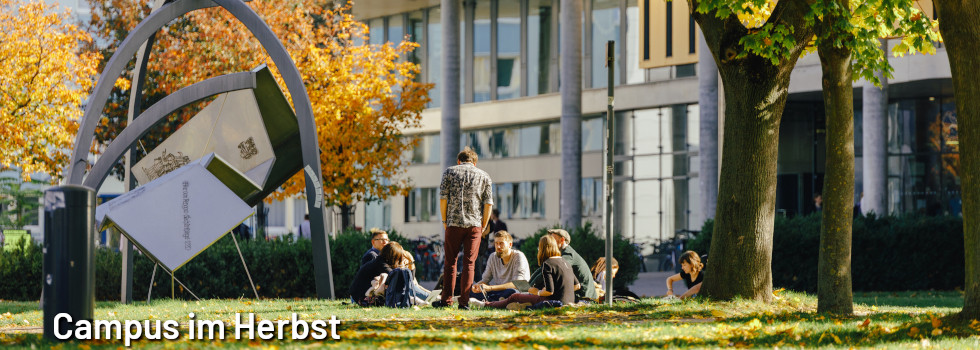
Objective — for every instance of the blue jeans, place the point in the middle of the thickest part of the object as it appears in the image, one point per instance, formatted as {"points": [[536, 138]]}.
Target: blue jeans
{"points": [[495, 295], [419, 292]]}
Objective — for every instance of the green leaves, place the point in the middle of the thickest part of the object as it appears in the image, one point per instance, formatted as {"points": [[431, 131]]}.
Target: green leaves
{"points": [[773, 42]]}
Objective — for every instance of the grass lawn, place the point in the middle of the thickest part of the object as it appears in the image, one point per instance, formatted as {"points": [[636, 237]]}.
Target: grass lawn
{"points": [[884, 320]]}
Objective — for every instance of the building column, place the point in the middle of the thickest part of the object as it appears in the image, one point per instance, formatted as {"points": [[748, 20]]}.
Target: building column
{"points": [[571, 112], [449, 135], [708, 126], [875, 144]]}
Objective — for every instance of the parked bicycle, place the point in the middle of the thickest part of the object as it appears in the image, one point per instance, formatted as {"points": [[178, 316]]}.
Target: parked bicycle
{"points": [[671, 250], [428, 257], [638, 251]]}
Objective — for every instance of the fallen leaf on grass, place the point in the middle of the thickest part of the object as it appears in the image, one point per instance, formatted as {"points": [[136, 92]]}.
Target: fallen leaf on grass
{"points": [[865, 324]]}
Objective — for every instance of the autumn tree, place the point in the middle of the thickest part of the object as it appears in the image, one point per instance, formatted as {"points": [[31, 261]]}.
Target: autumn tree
{"points": [[756, 44], [44, 80], [960, 30], [363, 95]]}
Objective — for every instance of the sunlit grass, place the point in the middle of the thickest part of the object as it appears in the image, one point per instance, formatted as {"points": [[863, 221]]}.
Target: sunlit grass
{"points": [[882, 320]]}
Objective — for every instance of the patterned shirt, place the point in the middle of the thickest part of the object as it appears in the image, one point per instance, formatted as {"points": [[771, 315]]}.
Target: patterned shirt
{"points": [[466, 189]]}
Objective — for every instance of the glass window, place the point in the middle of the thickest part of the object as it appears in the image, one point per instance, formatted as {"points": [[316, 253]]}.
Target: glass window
{"points": [[508, 49], [634, 74], [592, 133], [434, 57], [923, 163], [421, 205], [481, 52], [605, 27], [415, 34], [539, 38], [376, 31], [396, 30]]}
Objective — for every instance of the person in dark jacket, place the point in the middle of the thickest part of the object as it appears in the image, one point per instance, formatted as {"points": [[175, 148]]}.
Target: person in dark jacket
{"points": [[391, 254], [378, 240]]}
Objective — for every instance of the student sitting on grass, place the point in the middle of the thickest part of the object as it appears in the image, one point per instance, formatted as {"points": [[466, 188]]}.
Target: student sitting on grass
{"points": [[557, 281], [504, 266], [391, 254], [407, 261], [692, 272]]}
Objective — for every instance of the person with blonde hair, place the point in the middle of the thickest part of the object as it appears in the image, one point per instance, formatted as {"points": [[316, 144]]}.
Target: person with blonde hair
{"points": [[692, 273], [407, 261], [557, 280]]}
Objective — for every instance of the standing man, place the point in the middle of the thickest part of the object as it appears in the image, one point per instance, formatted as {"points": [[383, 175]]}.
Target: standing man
{"points": [[465, 200], [378, 240], [304, 228]]}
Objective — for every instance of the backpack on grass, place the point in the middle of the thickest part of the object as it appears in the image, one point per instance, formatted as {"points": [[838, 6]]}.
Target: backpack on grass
{"points": [[399, 293]]}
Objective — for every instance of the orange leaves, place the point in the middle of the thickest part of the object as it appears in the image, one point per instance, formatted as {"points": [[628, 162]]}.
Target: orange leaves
{"points": [[42, 86]]}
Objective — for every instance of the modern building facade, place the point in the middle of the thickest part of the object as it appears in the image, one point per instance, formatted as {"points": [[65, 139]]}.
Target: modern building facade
{"points": [[510, 111]]}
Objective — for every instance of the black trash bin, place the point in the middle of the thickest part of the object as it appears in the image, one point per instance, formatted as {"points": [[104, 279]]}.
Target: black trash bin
{"points": [[69, 257]]}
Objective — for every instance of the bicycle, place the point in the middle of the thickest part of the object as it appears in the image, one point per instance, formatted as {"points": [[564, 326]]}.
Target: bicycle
{"points": [[428, 251], [673, 249], [638, 251]]}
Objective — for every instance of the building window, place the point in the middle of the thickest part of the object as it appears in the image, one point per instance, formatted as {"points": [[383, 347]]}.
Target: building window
{"points": [[540, 46], [396, 29], [592, 193], [422, 205], [481, 52], [605, 27], [923, 157], [433, 55], [514, 141], [508, 49], [376, 31], [520, 200]]}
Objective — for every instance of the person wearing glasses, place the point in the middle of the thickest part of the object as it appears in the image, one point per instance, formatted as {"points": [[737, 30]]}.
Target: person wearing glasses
{"points": [[378, 240]]}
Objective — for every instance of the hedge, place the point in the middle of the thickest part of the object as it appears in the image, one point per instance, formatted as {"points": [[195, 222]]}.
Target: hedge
{"points": [[280, 268], [588, 244], [888, 253]]}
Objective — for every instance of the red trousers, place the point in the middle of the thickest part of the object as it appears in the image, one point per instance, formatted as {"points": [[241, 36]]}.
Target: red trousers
{"points": [[469, 238]]}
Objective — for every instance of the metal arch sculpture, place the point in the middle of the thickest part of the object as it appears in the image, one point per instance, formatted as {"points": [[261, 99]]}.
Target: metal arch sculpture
{"points": [[294, 84]]}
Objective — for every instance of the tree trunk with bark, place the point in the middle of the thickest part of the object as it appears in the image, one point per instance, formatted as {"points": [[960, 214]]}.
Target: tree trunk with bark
{"points": [[960, 26], [755, 95], [834, 267]]}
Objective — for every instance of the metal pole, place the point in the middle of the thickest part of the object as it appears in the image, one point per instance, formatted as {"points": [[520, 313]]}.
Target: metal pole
{"points": [[610, 144], [68, 285]]}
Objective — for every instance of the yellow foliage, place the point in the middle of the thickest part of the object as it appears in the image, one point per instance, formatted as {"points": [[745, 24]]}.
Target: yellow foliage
{"points": [[753, 16], [44, 80], [362, 95]]}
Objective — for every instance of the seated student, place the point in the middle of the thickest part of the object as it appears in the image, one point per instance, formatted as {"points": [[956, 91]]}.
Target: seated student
{"points": [[407, 261], [391, 254], [503, 266], [557, 280], [599, 274], [578, 264], [692, 272], [378, 240]]}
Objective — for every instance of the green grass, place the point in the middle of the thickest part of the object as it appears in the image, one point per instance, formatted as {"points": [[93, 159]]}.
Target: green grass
{"points": [[883, 320]]}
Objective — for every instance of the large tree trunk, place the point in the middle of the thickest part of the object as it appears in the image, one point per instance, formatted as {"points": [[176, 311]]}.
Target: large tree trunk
{"points": [[571, 113], [755, 94], [960, 27], [834, 267]]}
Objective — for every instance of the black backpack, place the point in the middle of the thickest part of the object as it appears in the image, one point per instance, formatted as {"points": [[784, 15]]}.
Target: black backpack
{"points": [[399, 293]]}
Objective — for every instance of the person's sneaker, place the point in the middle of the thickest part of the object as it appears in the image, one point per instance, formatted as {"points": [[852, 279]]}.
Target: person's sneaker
{"points": [[464, 307], [517, 306], [439, 304], [476, 302]]}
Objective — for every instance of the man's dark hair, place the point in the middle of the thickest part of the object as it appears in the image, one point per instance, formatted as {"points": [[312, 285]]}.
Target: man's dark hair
{"points": [[467, 155], [496, 213], [377, 233]]}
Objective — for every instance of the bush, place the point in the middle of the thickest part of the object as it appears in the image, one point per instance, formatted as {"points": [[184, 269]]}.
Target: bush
{"points": [[280, 268], [887, 253], [591, 246]]}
